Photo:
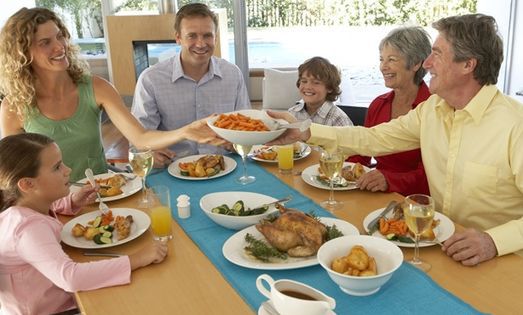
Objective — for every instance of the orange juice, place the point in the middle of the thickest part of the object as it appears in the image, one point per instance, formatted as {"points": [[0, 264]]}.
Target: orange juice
{"points": [[285, 158], [161, 222]]}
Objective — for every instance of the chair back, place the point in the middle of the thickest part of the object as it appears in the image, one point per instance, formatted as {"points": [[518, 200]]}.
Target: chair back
{"points": [[356, 113], [279, 89]]}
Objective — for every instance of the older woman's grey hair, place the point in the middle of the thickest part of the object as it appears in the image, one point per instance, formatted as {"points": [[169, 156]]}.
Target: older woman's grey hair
{"points": [[413, 42]]}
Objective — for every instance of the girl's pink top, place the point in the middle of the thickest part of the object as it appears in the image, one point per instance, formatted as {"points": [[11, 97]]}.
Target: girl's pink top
{"points": [[36, 276]]}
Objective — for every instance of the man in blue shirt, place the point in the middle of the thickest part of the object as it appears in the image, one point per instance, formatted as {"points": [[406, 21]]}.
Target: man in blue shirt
{"points": [[190, 85]]}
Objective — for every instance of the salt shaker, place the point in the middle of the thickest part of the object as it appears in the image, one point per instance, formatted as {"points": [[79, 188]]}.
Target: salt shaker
{"points": [[184, 206]]}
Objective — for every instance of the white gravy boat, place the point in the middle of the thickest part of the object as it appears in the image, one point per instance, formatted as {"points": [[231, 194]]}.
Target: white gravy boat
{"points": [[291, 297]]}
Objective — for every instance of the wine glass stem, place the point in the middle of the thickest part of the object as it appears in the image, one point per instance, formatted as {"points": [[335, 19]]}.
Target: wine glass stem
{"points": [[144, 190], [244, 162], [416, 249], [331, 193]]}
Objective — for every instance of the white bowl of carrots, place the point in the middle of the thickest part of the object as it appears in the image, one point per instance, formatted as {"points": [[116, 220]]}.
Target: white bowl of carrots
{"points": [[246, 127]]}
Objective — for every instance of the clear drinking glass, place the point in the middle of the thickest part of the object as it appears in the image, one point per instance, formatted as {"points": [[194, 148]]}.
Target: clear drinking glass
{"points": [[160, 212], [418, 210], [141, 161], [243, 150], [331, 164]]}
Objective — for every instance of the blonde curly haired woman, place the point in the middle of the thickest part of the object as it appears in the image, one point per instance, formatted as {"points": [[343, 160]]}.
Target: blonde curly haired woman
{"points": [[49, 90]]}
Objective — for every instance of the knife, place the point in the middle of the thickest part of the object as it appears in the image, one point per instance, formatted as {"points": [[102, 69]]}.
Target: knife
{"points": [[373, 225]]}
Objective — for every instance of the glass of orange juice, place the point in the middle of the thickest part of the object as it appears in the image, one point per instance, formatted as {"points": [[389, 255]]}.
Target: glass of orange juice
{"points": [[160, 213], [285, 158]]}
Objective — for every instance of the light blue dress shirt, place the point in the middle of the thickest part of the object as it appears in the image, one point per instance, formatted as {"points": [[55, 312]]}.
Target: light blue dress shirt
{"points": [[166, 99]]}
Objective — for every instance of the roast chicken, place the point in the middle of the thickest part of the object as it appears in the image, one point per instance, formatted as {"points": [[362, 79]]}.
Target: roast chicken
{"points": [[294, 232]]}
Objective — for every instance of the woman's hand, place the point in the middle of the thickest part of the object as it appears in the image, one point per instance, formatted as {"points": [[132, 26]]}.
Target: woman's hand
{"points": [[85, 196], [200, 132], [290, 135], [470, 247], [373, 181]]}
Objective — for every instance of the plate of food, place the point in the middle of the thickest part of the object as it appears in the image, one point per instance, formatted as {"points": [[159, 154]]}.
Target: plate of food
{"points": [[394, 228], [94, 230], [259, 247], [265, 153], [113, 186], [202, 167], [350, 173]]}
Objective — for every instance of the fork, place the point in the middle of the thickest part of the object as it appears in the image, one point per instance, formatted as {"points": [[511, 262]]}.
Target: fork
{"points": [[90, 177], [127, 176]]}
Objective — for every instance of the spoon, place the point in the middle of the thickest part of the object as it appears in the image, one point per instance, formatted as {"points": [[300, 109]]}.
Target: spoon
{"points": [[275, 202], [302, 125], [90, 177]]}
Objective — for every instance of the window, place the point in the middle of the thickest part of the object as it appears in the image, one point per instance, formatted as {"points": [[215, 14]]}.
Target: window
{"points": [[283, 33]]}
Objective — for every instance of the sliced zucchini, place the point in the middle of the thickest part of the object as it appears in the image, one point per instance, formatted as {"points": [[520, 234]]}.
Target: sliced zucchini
{"points": [[108, 227], [259, 210], [97, 221], [100, 239], [107, 234], [223, 209], [238, 207]]}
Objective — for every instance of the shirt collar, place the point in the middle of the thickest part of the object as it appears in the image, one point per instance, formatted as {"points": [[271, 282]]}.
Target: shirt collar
{"points": [[299, 105], [178, 73], [324, 109], [476, 107], [479, 103]]}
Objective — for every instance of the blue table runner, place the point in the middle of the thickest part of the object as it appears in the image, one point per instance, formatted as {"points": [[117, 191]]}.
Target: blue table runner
{"points": [[409, 291]]}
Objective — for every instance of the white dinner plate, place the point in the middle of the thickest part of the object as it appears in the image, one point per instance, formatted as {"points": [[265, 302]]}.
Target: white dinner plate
{"points": [[174, 170], [131, 187], [309, 175], [233, 248], [305, 150], [443, 231], [140, 224]]}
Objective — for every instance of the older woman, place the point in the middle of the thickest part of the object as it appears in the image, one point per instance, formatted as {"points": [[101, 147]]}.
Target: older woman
{"points": [[49, 91], [402, 53]]}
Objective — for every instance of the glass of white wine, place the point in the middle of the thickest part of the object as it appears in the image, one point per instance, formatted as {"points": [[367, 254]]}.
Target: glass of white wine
{"points": [[243, 150], [418, 210], [141, 161], [331, 164]]}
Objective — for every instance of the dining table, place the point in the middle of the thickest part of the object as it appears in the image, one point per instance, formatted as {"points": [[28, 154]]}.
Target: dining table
{"points": [[192, 281]]}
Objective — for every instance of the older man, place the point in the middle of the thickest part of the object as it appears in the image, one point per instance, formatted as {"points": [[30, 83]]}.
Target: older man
{"points": [[470, 135], [191, 85]]}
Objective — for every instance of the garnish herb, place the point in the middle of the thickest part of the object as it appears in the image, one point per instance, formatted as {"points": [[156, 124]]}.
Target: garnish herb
{"points": [[261, 250]]}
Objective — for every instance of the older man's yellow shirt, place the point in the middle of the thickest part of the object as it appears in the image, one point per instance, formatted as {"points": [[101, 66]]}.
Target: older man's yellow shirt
{"points": [[473, 158]]}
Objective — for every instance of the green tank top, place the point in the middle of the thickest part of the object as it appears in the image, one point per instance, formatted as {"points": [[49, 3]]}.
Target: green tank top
{"points": [[79, 136]]}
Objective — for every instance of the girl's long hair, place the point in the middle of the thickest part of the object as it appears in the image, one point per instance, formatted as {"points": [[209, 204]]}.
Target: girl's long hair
{"points": [[19, 158], [17, 79]]}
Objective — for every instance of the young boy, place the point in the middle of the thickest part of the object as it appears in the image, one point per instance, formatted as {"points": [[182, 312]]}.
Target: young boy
{"points": [[319, 86]]}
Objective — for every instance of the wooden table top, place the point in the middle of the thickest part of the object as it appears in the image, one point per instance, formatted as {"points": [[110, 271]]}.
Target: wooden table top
{"points": [[188, 283]]}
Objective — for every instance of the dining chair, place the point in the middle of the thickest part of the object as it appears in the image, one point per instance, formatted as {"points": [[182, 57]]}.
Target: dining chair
{"points": [[356, 113]]}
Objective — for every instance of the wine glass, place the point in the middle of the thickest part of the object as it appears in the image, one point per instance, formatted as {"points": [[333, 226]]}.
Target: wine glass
{"points": [[141, 161], [418, 210], [331, 164], [243, 150]]}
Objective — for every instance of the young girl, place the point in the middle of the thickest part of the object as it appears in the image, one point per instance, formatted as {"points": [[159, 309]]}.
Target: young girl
{"points": [[36, 276], [319, 85]]}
